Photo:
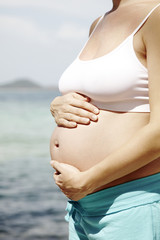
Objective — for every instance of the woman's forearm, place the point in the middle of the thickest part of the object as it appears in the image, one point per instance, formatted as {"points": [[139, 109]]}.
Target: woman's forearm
{"points": [[141, 149]]}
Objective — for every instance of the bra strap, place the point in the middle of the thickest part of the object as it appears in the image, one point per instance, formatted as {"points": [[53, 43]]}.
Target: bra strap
{"points": [[99, 20], [145, 19]]}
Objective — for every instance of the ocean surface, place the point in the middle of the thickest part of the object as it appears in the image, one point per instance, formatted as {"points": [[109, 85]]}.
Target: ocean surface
{"points": [[31, 205]]}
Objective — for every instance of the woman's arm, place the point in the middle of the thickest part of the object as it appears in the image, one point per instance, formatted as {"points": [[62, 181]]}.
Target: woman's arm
{"points": [[72, 109], [140, 150]]}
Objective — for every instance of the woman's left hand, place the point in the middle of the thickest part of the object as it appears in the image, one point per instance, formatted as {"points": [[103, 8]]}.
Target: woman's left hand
{"points": [[70, 180]]}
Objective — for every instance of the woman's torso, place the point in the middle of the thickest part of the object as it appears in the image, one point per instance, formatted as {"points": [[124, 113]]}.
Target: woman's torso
{"points": [[86, 145]]}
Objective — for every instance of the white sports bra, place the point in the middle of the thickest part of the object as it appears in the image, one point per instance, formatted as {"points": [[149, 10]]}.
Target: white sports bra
{"points": [[123, 88]]}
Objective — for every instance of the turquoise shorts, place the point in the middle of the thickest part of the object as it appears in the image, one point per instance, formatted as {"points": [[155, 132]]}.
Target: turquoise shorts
{"points": [[129, 211]]}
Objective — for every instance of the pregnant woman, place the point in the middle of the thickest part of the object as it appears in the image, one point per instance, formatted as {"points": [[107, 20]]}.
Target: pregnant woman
{"points": [[106, 147]]}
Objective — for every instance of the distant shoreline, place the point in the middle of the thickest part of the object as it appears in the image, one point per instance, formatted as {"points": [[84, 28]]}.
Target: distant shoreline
{"points": [[26, 84], [27, 89]]}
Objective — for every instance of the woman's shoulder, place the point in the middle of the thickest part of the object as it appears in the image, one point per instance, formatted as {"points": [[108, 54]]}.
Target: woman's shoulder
{"points": [[153, 10], [151, 30], [153, 21], [93, 25]]}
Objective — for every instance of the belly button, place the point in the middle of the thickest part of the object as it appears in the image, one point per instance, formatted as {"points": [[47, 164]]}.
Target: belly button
{"points": [[56, 143]]}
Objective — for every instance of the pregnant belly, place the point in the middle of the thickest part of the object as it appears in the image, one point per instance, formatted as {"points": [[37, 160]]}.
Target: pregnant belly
{"points": [[80, 147], [87, 145]]}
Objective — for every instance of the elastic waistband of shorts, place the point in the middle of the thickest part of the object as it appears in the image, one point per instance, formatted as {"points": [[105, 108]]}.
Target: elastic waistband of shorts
{"points": [[120, 197]]}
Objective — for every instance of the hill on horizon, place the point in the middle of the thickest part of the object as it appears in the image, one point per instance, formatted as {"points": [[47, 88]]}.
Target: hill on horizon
{"points": [[21, 83]]}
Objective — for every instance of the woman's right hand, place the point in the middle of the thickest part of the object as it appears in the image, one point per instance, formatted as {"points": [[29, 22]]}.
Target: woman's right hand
{"points": [[72, 109]]}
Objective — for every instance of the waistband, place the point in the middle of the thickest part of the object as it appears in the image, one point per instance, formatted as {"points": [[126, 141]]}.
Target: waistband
{"points": [[120, 197]]}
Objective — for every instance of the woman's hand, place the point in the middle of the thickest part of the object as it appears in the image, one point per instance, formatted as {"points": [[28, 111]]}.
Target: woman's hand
{"points": [[70, 180], [72, 109]]}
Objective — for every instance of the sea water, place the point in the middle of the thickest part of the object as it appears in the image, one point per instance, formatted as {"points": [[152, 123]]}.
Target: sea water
{"points": [[31, 205]]}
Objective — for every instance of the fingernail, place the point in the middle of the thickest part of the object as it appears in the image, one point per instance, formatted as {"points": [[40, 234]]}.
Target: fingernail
{"points": [[96, 110], [74, 124], [88, 99], [94, 117], [86, 120]]}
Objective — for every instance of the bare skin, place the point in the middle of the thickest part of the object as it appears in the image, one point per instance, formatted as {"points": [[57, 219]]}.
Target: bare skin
{"points": [[72, 109], [107, 152]]}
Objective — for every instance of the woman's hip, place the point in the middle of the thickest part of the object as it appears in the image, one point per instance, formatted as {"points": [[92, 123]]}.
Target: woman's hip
{"points": [[127, 211], [123, 196]]}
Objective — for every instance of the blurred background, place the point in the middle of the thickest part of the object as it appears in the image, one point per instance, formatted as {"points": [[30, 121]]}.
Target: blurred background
{"points": [[38, 40]]}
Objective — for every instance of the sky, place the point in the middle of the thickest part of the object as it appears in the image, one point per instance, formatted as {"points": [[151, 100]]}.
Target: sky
{"points": [[40, 38]]}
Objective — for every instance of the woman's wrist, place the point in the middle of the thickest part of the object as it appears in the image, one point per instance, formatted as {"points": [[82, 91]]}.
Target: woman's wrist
{"points": [[90, 180]]}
